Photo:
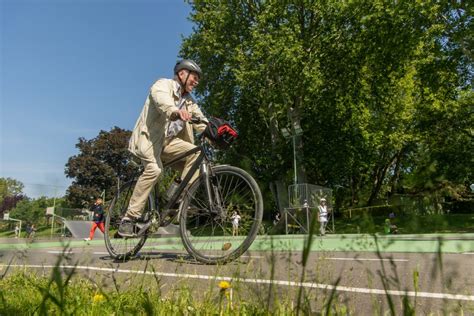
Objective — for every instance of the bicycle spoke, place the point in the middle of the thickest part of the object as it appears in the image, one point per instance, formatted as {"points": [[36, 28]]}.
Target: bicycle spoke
{"points": [[119, 247], [211, 236]]}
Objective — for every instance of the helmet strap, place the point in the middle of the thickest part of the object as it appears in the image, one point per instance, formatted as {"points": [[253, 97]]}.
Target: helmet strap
{"points": [[183, 84]]}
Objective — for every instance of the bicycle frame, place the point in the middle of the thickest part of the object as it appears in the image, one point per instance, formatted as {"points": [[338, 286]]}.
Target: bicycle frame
{"points": [[167, 213]]}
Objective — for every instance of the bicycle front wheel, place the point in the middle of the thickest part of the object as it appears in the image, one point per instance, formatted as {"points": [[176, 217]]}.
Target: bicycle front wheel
{"points": [[119, 247], [212, 233]]}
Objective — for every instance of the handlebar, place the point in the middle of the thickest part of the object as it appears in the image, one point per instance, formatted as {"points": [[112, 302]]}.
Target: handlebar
{"points": [[196, 120]]}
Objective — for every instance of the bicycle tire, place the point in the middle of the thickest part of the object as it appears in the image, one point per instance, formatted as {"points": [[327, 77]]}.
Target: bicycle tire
{"points": [[119, 247], [206, 236]]}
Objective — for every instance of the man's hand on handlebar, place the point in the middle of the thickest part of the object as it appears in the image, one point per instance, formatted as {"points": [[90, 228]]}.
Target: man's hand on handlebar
{"points": [[181, 114]]}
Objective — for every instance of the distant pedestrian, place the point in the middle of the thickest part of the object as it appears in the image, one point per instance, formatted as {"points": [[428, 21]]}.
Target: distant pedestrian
{"points": [[277, 219], [17, 231], [98, 218], [32, 232], [322, 216], [235, 223], [389, 227]]}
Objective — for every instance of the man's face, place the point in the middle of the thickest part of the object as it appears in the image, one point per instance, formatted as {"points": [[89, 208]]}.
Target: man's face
{"points": [[192, 81]]}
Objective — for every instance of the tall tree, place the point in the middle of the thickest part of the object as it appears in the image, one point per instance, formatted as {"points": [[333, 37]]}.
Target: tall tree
{"points": [[101, 163], [32, 210], [11, 192], [9, 202], [10, 187], [359, 74]]}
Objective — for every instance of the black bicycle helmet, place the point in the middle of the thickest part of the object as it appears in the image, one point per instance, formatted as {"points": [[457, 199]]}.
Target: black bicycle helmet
{"points": [[187, 64]]}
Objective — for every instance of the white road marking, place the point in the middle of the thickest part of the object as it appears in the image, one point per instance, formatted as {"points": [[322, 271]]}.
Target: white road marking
{"points": [[366, 259], [73, 252], [447, 296], [248, 256], [106, 253], [468, 253]]}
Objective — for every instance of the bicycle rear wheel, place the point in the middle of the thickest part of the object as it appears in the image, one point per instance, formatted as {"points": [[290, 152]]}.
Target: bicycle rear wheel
{"points": [[120, 247], [207, 231]]}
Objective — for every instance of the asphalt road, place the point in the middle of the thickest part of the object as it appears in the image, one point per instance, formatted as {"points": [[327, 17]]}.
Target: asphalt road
{"points": [[434, 272]]}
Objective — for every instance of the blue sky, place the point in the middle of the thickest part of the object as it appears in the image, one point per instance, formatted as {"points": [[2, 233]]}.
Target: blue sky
{"points": [[70, 68]]}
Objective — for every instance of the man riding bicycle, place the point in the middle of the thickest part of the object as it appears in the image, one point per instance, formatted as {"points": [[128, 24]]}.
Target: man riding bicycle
{"points": [[161, 134]]}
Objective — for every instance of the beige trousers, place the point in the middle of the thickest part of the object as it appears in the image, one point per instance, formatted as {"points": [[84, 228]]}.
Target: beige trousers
{"points": [[152, 172]]}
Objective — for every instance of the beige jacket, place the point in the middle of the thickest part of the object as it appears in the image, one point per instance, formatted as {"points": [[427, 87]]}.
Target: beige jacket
{"points": [[148, 136]]}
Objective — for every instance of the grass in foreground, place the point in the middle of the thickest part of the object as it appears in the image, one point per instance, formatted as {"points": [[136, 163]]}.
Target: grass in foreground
{"points": [[29, 294]]}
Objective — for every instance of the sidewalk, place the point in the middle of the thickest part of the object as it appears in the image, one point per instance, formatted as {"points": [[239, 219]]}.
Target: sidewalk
{"points": [[43, 242], [426, 243]]}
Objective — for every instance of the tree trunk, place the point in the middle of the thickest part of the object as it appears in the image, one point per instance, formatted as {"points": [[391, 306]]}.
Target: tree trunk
{"points": [[379, 176], [396, 173]]}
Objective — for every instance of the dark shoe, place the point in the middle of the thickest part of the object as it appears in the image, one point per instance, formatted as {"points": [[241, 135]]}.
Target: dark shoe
{"points": [[126, 228]]}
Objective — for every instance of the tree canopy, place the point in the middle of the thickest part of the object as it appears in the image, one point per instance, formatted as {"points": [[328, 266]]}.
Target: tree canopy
{"points": [[101, 162], [10, 187], [33, 210], [11, 192], [383, 90]]}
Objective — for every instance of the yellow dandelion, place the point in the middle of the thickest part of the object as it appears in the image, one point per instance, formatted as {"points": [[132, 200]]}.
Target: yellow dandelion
{"points": [[98, 298], [224, 285]]}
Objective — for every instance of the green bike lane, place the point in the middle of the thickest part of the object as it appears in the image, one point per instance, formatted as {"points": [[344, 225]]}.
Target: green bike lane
{"points": [[426, 243]]}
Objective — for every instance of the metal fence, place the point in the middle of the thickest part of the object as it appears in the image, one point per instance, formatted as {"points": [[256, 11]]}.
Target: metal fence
{"points": [[312, 194], [303, 200]]}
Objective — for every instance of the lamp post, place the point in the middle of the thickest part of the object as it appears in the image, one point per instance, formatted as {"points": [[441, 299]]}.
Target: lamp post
{"points": [[293, 132]]}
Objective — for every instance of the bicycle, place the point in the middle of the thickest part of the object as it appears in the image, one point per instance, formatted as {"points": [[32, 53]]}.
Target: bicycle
{"points": [[204, 211]]}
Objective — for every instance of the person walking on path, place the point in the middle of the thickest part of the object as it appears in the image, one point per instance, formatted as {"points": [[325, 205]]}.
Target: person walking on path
{"points": [[32, 232], [17, 231], [323, 216], [235, 223], [98, 218]]}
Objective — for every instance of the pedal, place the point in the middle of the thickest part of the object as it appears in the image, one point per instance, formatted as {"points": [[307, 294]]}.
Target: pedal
{"points": [[142, 227]]}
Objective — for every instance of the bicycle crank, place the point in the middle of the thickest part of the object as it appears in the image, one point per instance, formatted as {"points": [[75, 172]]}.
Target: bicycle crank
{"points": [[151, 224]]}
